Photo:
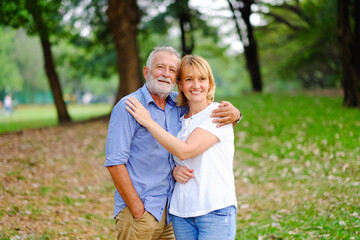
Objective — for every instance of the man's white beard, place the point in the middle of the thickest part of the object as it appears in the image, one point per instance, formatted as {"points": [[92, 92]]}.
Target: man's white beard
{"points": [[160, 89]]}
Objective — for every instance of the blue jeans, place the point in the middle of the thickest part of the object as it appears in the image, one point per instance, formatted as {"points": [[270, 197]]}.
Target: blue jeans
{"points": [[219, 224]]}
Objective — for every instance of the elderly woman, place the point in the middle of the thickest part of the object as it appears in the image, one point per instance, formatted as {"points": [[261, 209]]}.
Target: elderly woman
{"points": [[203, 206]]}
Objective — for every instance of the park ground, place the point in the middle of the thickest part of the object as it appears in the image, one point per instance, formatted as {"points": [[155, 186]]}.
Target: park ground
{"points": [[296, 167]]}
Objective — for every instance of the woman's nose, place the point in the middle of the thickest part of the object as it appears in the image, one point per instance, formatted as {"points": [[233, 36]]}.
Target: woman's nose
{"points": [[196, 84]]}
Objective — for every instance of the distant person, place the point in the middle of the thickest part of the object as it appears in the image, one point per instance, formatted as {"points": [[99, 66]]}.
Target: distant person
{"points": [[203, 204], [86, 98], [139, 166], [8, 105]]}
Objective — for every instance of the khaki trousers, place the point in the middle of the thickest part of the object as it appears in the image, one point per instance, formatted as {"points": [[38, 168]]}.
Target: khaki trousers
{"points": [[144, 228]]}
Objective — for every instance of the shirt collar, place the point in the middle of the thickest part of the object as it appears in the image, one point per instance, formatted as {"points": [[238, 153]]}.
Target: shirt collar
{"points": [[170, 100]]}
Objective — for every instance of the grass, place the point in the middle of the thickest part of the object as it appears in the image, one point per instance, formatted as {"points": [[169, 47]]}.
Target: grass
{"points": [[296, 166], [33, 116]]}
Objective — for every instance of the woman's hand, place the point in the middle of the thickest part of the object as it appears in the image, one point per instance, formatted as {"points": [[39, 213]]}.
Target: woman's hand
{"points": [[138, 111], [182, 174]]}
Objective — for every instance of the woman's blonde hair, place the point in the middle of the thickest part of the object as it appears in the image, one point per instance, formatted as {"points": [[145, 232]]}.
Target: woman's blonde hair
{"points": [[202, 67]]}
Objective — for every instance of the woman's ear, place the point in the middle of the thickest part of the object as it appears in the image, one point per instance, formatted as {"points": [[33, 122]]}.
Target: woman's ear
{"points": [[179, 85]]}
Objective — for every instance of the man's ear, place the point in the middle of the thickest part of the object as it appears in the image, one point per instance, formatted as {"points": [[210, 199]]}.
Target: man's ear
{"points": [[146, 72]]}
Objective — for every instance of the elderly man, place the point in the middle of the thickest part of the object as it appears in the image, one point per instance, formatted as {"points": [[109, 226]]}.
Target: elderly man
{"points": [[140, 167]]}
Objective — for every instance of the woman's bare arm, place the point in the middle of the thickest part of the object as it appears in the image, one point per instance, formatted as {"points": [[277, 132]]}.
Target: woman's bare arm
{"points": [[198, 141]]}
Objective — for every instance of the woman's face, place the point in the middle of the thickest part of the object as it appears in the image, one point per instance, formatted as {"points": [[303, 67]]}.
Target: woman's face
{"points": [[194, 86]]}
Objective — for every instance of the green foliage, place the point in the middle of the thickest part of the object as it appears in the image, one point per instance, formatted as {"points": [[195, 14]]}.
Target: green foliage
{"points": [[83, 62], [148, 40], [231, 76], [78, 70], [307, 51], [91, 57], [20, 14], [13, 13], [27, 81], [95, 53], [10, 78], [306, 55], [166, 21], [29, 61]]}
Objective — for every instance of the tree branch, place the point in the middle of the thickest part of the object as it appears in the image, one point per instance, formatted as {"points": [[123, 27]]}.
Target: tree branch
{"points": [[235, 19], [280, 19], [295, 9]]}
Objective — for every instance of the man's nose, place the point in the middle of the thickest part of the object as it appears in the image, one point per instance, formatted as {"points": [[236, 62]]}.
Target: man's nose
{"points": [[166, 72]]}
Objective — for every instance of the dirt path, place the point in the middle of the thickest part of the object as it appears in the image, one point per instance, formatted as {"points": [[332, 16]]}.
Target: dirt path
{"points": [[53, 184]]}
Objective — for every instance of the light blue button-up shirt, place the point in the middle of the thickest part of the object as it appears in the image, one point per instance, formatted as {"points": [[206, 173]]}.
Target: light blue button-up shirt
{"points": [[148, 163]]}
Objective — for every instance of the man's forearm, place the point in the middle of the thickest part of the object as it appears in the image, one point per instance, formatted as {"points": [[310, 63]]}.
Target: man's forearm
{"points": [[226, 113], [126, 189]]}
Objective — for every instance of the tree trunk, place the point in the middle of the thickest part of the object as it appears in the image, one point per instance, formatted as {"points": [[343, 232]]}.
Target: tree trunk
{"points": [[124, 16], [63, 115], [187, 39], [35, 11], [186, 36], [251, 53], [350, 51], [250, 45]]}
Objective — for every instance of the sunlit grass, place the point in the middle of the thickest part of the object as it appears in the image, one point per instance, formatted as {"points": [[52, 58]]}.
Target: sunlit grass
{"points": [[32, 116], [297, 168]]}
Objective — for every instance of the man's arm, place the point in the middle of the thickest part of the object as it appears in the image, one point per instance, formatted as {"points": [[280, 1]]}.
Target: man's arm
{"points": [[126, 189], [120, 133], [225, 114]]}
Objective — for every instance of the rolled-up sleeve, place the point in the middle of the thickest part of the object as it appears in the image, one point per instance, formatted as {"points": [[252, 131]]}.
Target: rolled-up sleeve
{"points": [[121, 130]]}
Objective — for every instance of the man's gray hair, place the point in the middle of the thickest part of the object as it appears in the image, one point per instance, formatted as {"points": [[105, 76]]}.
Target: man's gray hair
{"points": [[162, 49]]}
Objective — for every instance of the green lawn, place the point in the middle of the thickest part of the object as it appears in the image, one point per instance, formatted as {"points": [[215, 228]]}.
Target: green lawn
{"points": [[296, 166], [32, 116]]}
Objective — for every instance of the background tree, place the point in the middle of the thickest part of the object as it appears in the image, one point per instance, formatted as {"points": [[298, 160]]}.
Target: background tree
{"points": [[110, 46], [299, 44], [30, 15], [124, 17], [179, 15], [181, 10], [92, 66], [243, 9], [349, 42]]}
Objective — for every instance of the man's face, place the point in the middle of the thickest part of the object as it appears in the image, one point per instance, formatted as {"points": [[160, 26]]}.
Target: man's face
{"points": [[161, 78]]}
